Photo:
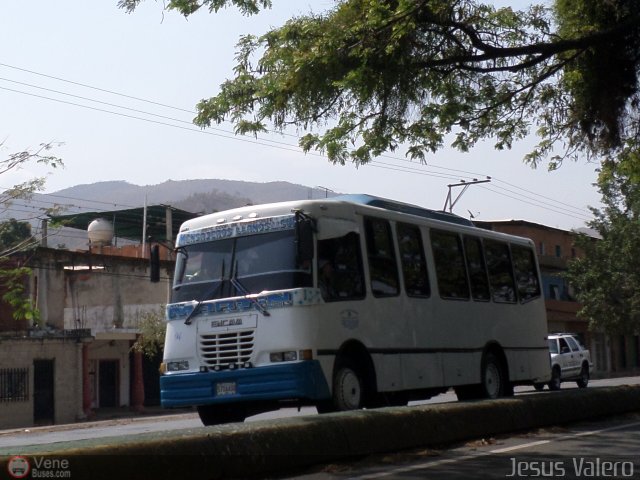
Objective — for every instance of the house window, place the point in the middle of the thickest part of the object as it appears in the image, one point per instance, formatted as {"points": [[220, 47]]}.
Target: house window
{"points": [[14, 384], [541, 248], [558, 251]]}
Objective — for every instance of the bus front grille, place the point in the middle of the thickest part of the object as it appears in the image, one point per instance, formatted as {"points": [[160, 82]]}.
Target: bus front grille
{"points": [[224, 349]]}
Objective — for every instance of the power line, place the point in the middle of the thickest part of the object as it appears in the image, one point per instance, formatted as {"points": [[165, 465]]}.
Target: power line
{"points": [[228, 135], [285, 146], [561, 212], [93, 88]]}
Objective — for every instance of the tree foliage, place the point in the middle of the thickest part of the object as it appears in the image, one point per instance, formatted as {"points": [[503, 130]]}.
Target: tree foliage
{"points": [[16, 236], [187, 7], [370, 76], [152, 329], [13, 280], [607, 277]]}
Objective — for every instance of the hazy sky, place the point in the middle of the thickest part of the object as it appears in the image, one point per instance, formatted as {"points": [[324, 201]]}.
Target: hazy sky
{"points": [[158, 65]]}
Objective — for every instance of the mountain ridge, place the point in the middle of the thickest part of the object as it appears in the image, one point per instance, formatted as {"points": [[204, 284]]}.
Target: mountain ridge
{"points": [[195, 195], [170, 191]]}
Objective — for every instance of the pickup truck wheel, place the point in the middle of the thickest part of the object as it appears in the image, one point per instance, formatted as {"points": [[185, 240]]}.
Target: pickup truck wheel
{"points": [[583, 381], [554, 383]]}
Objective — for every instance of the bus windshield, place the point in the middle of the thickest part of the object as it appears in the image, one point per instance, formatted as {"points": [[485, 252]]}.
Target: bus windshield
{"points": [[258, 262]]}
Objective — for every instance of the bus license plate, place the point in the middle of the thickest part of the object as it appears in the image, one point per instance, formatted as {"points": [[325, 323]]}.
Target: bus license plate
{"points": [[225, 388]]}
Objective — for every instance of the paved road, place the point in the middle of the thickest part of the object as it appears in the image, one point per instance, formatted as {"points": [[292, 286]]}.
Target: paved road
{"points": [[603, 449], [137, 425]]}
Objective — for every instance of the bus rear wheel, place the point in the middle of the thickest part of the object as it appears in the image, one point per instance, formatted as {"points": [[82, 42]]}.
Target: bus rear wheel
{"points": [[219, 414], [556, 380], [495, 382]]}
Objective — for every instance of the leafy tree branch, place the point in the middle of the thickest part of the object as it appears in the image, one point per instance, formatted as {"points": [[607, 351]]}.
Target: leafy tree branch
{"points": [[371, 76], [15, 236]]}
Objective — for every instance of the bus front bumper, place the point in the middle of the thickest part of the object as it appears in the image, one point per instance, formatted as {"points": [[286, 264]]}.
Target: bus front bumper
{"points": [[301, 380]]}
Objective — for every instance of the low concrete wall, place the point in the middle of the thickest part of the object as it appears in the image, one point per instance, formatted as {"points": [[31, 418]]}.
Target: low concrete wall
{"points": [[267, 447]]}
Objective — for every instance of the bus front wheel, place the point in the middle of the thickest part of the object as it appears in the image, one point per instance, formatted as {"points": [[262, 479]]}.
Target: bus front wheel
{"points": [[218, 414], [349, 388]]}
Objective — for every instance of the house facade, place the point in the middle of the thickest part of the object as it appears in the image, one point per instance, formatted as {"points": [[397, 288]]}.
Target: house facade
{"points": [[41, 378], [78, 357]]}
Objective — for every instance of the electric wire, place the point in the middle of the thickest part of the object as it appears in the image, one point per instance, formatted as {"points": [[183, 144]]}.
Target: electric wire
{"points": [[578, 212]]}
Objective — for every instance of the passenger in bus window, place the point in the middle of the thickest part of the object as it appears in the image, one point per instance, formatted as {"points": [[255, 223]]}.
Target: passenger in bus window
{"points": [[343, 277], [326, 279]]}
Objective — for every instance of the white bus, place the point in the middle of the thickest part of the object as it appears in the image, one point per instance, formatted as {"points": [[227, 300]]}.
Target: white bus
{"points": [[346, 303]]}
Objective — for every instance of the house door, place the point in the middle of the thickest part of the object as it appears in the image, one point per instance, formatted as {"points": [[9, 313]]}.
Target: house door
{"points": [[43, 393], [108, 383]]}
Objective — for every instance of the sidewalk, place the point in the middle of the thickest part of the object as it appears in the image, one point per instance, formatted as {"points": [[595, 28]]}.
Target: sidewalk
{"points": [[111, 416], [100, 414]]}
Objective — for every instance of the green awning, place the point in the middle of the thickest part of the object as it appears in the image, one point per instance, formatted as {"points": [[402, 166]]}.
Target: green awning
{"points": [[128, 223]]}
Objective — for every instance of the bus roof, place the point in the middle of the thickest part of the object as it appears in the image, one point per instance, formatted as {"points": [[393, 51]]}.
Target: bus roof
{"points": [[364, 199], [249, 213], [353, 199]]}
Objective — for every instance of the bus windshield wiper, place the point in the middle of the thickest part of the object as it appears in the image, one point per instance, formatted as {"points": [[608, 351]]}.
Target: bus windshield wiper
{"points": [[207, 295], [241, 288]]}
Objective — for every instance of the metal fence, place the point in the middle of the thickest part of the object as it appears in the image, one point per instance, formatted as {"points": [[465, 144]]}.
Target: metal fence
{"points": [[14, 384]]}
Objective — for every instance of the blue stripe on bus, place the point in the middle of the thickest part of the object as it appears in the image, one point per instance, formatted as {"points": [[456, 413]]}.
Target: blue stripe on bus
{"points": [[302, 380]]}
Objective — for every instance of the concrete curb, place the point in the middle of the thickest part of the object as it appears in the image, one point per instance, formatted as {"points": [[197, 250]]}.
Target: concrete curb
{"points": [[260, 448]]}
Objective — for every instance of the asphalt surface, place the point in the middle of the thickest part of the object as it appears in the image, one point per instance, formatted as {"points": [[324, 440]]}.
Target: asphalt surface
{"points": [[167, 420]]}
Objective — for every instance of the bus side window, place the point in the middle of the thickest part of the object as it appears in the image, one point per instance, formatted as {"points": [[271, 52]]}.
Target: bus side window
{"points": [[383, 268], [449, 263], [503, 289], [477, 269], [524, 265], [414, 265], [340, 274]]}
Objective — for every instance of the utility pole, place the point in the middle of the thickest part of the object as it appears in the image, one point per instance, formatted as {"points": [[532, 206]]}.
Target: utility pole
{"points": [[450, 202], [326, 190]]}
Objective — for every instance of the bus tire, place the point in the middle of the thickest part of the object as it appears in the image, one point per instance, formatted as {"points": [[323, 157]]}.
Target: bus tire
{"points": [[325, 406], [556, 380], [219, 414], [467, 392], [349, 387], [495, 382]]}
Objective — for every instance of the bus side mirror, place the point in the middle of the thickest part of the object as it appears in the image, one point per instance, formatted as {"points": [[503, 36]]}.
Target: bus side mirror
{"points": [[304, 239], [154, 264]]}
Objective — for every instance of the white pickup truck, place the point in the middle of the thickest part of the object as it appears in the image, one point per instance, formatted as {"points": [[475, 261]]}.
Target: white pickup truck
{"points": [[570, 361]]}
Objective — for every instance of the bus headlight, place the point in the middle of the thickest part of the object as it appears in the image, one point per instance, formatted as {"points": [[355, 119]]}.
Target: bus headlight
{"points": [[290, 356], [283, 356], [178, 366]]}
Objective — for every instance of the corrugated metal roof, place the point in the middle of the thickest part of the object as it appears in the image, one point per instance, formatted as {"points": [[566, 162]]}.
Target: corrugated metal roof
{"points": [[129, 223]]}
